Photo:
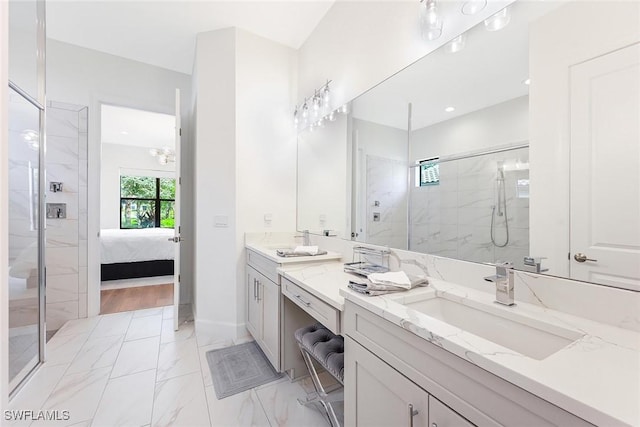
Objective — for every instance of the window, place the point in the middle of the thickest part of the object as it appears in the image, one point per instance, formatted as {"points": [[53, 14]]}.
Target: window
{"points": [[429, 172], [147, 202]]}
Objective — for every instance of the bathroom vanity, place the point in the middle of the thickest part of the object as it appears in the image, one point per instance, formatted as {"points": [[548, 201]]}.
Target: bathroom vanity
{"points": [[446, 354], [264, 298]]}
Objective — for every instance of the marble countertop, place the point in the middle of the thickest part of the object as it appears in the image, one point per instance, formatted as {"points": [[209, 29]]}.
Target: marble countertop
{"points": [[597, 377], [269, 251], [325, 281]]}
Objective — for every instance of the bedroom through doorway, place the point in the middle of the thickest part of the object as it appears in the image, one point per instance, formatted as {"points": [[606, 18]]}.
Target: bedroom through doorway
{"points": [[137, 209]]}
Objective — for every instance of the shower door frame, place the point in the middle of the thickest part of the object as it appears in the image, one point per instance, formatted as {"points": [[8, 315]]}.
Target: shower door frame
{"points": [[39, 102]]}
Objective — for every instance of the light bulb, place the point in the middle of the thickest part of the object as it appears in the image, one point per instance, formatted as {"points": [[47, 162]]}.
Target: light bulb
{"points": [[472, 7], [344, 109], [326, 96], [332, 116], [305, 110], [498, 21], [457, 44], [430, 22], [296, 118]]}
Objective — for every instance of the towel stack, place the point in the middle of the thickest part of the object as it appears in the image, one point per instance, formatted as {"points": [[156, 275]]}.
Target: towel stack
{"points": [[384, 283], [301, 251]]}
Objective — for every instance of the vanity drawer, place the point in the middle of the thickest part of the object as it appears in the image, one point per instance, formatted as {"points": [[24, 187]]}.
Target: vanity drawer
{"points": [[318, 309], [264, 265]]}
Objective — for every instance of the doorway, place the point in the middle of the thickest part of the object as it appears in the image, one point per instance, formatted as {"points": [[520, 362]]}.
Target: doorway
{"points": [[137, 209]]}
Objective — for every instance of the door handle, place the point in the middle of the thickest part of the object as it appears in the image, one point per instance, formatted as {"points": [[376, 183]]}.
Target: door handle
{"points": [[175, 239], [254, 288], [580, 257], [258, 293]]}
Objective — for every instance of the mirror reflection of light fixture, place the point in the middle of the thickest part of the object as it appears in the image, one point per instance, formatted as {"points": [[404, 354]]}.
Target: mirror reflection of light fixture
{"points": [[164, 155], [430, 21], [472, 7], [457, 44], [498, 21], [32, 138]]}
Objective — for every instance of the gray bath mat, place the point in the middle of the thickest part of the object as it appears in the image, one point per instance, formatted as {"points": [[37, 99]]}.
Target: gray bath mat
{"points": [[239, 368]]}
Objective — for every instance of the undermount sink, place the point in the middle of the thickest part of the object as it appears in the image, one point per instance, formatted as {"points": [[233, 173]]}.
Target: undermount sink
{"points": [[527, 336]]}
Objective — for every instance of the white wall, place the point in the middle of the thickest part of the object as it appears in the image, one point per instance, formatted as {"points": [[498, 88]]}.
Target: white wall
{"points": [[86, 77], [553, 48], [245, 164], [115, 158], [497, 125], [215, 183], [4, 201], [359, 44]]}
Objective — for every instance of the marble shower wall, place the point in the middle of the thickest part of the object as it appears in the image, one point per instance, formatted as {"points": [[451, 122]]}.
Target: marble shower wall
{"points": [[66, 253], [453, 219], [387, 201]]}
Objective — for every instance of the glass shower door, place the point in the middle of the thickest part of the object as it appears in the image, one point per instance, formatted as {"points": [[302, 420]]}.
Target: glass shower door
{"points": [[25, 239]]}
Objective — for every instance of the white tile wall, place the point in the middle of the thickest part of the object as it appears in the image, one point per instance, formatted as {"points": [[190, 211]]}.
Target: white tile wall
{"points": [[66, 255], [453, 219]]}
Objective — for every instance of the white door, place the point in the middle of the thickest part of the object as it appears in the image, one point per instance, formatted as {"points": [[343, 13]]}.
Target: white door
{"points": [[176, 230], [605, 169]]}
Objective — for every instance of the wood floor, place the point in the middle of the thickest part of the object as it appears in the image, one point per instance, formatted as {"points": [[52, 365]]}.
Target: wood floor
{"points": [[118, 300]]}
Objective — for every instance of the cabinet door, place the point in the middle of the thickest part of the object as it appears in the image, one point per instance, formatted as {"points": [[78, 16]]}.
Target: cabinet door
{"points": [[440, 415], [254, 306], [269, 297], [378, 395]]}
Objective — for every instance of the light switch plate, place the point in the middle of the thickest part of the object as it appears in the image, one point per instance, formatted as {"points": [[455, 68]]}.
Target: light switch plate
{"points": [[221, 221]]}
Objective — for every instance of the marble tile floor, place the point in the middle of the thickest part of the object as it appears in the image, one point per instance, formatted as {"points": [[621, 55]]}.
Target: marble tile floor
{"points": [[132, 369]]}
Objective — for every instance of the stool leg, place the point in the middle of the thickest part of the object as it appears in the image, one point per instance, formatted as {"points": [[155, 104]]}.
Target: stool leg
{"points": [[321, 394]]}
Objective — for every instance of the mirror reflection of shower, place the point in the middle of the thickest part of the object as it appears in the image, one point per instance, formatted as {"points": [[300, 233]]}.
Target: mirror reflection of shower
{"points": [[500, 208]]}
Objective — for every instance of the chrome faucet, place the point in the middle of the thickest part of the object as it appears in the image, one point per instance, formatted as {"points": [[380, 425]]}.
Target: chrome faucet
{"points": [[305, 238], [504, 283]]}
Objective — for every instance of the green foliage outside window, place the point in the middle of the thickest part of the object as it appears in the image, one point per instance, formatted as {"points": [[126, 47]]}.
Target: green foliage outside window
{"points": [[147, 202]]}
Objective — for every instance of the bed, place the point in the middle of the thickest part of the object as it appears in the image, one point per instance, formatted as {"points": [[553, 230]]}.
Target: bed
{"points": [[134, 253]]}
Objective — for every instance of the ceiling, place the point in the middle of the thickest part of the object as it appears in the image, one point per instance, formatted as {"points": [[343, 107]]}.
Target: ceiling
{"points": [[489, 70], [127, 126], [163, 33]]}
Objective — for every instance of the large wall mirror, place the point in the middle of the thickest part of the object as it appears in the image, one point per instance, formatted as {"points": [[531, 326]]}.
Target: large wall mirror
{"points": [[520, 144]]}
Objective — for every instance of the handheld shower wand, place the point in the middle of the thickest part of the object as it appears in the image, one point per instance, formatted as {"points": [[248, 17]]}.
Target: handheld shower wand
{"points": [[500, 208]]}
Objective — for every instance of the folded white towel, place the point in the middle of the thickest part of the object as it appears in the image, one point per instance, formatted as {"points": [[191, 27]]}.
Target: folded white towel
{"points": [[394, 278], [366, 287], [307, 250]]}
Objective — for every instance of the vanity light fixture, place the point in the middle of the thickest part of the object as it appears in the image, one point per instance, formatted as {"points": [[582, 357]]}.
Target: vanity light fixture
{"points": [[317, 110], [498, 20], [449, 109], [430, 20], [457, 44], [472, 7]]}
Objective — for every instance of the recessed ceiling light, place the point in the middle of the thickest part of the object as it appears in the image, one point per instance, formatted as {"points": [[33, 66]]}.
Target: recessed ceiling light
{"points": [[526, 81], [124, 132], [449, 109]]}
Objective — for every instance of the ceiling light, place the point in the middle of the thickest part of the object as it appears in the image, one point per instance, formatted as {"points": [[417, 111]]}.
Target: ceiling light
{"points": [[456, 45], [124, 132], [449, 109], [498, 21], [164, 155], [472, 7], [526, 82], [430, 21]]}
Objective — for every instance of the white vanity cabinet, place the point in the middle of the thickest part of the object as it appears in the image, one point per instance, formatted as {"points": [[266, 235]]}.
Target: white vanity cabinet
{"points": [[388, 368], [263, 305], [378, 395]]}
